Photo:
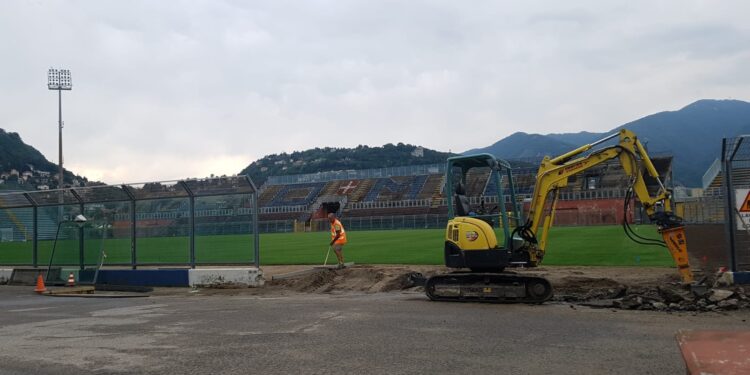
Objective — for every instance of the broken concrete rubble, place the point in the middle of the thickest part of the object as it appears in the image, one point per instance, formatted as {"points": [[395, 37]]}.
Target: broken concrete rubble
{"points": [[729, 304], [667, 297], [720, 295], [659, 305], [672, 294]]}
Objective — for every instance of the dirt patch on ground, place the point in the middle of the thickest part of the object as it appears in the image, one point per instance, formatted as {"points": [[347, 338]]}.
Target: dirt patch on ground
{"points": [[599, 287], [371, 279]]}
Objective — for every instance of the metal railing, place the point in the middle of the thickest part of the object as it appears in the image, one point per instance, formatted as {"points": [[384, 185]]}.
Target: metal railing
{"points": [[713, 171]]}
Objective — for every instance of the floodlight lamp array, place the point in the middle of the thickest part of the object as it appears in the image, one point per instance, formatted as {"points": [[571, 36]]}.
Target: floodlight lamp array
{"points": [[59, 79]]}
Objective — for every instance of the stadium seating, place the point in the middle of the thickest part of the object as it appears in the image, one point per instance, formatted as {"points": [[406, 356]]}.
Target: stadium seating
{"points": [[432, 187], [476, 181], [396, 188], [524, 183], [353, 189], [740, 177], [297, 194], [361, 190], [267, 194]]}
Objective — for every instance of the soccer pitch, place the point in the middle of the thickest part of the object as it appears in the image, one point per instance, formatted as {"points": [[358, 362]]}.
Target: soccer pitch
{"points": [[580, 246]]}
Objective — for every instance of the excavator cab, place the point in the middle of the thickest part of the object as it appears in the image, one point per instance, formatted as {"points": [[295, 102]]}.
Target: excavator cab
{"points": [[491, 209], [471, 240]]}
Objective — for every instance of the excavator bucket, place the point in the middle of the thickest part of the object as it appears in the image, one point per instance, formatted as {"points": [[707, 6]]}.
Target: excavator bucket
{"points": [[675, 240]]}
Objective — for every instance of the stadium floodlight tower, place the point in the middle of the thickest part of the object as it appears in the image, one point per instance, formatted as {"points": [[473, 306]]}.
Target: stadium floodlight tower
{"points": [[59, 79]]}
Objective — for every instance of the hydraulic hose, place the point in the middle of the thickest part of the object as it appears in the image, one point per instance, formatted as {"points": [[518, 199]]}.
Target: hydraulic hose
{"points": [[635, 237]]}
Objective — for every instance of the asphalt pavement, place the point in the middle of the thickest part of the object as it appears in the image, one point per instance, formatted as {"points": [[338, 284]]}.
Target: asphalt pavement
{"points": [[380, 333]]}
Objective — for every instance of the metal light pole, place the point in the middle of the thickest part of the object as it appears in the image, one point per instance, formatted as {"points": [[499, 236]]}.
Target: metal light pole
{"points": [[59, 79]]}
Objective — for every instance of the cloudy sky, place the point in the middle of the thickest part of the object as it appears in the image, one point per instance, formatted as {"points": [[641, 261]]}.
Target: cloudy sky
{"points": [[167, 89]]}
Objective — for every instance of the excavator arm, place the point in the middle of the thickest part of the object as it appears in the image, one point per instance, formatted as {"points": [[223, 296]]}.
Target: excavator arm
{"points": [[554, 173]]}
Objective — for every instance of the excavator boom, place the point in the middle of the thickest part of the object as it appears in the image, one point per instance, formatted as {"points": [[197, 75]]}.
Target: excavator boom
{"points": [[554, 173]]}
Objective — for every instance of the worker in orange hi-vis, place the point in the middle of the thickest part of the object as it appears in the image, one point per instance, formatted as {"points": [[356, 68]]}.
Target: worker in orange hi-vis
{"points": [[338, 238]]}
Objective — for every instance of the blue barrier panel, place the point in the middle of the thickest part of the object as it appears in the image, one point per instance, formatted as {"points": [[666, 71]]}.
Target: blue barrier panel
{"points": [[170, 277], [741, 277]]}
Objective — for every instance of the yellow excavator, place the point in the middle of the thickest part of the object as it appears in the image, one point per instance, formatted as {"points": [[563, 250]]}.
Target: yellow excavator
{"points": [[471, 242]]}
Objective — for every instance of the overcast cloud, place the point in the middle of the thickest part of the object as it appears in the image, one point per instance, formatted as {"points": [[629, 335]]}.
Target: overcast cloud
{"points": [[166, 89]]}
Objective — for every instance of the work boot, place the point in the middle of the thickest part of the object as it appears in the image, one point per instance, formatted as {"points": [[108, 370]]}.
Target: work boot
{"points": [[341, 266]]}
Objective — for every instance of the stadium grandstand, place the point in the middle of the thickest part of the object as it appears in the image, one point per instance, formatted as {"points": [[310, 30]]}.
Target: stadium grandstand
{"points": [[592, 197]]}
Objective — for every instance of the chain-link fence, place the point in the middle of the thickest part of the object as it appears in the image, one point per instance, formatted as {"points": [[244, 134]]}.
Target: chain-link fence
{"points": [[718, 222], [392, 222], [189, 222], [706, 209], [736, 174]]}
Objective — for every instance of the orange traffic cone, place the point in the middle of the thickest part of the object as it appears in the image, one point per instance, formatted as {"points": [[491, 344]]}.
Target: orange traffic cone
{"points": [[71, 280], [40, 288]]}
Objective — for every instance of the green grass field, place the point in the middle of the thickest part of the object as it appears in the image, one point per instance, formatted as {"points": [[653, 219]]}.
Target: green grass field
{"points": [[584, 246]]}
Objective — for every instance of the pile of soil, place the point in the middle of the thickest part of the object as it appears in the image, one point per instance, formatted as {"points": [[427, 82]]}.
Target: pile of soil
{"points": [[369, 279]]}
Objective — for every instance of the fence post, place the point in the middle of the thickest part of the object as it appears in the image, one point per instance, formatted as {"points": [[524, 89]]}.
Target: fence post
{"points": [[133, 236], [191, 201], [729, 209], [81, 234], [133, 258], [81, 245], [256, 234], [35, 237], [192, 231]]}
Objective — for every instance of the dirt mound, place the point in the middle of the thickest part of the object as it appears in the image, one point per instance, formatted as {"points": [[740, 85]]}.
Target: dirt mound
{"points": [[318, 282], [369, 279]]}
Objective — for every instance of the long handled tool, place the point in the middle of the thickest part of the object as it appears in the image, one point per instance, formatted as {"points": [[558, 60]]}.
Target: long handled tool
{"points": [[327, 254]]}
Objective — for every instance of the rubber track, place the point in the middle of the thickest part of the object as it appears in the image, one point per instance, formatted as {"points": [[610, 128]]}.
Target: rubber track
{"points": [[488, 287]]}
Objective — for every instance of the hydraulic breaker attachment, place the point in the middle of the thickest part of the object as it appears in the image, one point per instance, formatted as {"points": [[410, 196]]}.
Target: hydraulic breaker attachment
{"points": [[675, 240]]}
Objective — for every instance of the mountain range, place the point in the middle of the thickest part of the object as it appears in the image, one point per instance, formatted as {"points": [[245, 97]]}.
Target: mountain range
{"points": [[692, 135]]}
